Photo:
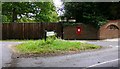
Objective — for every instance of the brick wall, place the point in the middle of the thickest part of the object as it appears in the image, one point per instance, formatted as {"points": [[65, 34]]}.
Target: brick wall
{"points": [[88, 32], [108, 32]]}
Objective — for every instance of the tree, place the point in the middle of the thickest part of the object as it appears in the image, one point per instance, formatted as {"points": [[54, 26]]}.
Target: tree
{"points": [[110, 10], [40, 11], [48, 13], [5, 19], [94, 13]]}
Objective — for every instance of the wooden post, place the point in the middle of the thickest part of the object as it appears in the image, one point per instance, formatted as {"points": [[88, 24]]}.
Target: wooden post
{"points": [[61, 30], [45, 36], [42, 31]]}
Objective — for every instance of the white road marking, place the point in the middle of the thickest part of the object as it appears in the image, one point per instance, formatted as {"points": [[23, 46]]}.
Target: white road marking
{"points": [[113, 46], [110, 45], [103, 63], [117, 46]]}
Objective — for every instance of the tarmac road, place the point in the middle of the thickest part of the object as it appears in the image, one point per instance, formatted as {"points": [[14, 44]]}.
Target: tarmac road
{"points": [[6, 53], [107, 57]]}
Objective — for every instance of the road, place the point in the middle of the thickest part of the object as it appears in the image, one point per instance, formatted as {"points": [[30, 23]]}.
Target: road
{"points": [[107, 57], [6, 53]]}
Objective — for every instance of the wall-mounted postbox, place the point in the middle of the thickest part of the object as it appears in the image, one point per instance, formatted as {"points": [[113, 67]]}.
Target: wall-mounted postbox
{"points": [[78, 30]]}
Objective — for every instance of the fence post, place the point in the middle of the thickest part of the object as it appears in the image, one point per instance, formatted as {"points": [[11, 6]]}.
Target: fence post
{"points": [[61, 30], [42, 33], [45, 36]]}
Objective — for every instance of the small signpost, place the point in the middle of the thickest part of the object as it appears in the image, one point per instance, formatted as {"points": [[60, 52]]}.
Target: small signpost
{"points": [[49, 33]]}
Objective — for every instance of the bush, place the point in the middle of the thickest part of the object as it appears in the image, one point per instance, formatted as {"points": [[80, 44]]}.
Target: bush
{"points": [[50, 39]]}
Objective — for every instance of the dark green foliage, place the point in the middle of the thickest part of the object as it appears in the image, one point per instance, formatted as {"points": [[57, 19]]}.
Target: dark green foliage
{"points": [[5, 19], [94, 13], [69, 24]]}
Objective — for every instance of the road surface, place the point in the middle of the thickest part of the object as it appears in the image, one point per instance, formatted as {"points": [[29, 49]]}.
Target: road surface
{"points": [[6, 53], [107, 57]]}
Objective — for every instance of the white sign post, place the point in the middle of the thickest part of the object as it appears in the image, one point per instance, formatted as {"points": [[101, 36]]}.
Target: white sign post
{"points": [[50, 33]]}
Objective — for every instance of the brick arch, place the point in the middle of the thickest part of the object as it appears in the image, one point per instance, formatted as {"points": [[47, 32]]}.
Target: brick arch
{"points": [[112, 26], [105, 32]]}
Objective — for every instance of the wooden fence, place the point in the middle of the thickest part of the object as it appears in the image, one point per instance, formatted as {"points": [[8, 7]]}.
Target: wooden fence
{"points": [[29, 30]]}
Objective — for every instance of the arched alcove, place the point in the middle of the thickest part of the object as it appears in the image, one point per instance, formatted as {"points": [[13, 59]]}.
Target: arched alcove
{"points": [[112, 27]]}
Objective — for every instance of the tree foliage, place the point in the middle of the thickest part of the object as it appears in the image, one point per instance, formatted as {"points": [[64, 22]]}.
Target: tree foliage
{"points": [[95, 13], [37, 11]]}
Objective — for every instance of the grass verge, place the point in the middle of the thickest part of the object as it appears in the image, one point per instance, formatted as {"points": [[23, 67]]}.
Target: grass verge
{"points": [[14, 40], [53, 46]]}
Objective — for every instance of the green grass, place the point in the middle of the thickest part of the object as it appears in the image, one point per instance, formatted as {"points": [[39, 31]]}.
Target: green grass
{"points": [[15, 40], [52, 46]]}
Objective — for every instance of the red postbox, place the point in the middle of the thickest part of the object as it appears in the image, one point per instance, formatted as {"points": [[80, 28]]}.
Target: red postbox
{"points": [[78, 30]]}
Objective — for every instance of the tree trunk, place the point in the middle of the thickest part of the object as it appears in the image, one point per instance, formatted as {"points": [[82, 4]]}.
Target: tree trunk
{"points": [[77, 19], [14, 15]]}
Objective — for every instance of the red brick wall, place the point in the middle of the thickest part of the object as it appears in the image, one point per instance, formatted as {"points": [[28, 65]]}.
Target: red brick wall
{"points": [[88, 32], [106, 33]]}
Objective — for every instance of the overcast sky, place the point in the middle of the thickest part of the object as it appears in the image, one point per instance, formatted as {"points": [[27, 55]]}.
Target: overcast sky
{"points": [[58, 4]]}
